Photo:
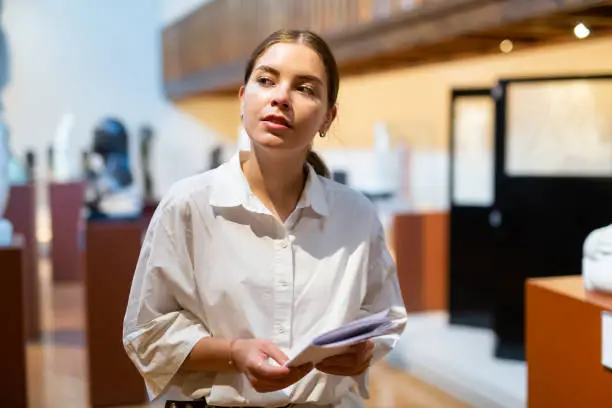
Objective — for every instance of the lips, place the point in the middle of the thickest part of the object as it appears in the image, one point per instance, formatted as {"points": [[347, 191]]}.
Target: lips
{"points": [[277, 120]]}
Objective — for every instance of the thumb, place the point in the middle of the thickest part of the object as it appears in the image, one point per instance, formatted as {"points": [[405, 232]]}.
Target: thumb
{"points": [[273, 351]]}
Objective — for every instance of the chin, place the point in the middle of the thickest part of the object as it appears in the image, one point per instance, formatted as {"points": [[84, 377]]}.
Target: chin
{"points": [[270, 140]]}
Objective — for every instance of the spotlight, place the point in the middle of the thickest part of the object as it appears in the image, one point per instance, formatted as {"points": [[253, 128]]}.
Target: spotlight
{"points": [[506, 46], [581, 31]]}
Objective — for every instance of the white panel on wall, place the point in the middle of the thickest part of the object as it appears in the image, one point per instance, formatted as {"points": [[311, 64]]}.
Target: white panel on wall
{"points": [[427, 171], [93, 59], [559, 128]]}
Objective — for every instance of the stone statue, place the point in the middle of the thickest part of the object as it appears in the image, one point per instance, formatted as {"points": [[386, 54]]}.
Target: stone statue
{"points": [[110, 189], [65, 156], [597, 260]]}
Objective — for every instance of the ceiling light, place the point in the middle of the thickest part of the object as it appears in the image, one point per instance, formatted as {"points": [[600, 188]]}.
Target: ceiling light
{"points": [[581, 31], [506, 46]]}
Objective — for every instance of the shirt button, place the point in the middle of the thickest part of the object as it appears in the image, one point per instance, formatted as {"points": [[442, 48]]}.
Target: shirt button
{"points": [[281, 330], [285, 243], [284, 284]]}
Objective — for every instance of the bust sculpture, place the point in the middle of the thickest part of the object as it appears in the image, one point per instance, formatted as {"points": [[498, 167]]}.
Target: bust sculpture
{"points": [[6, 228], [110, 189], [597, 260]]}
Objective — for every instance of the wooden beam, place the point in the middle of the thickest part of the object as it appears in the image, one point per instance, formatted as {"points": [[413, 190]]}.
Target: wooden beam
{"points": [[414, 36]]}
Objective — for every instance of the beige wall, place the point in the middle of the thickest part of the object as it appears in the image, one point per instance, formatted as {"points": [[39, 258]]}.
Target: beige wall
{"points": [[415, 101], [219, 113]]}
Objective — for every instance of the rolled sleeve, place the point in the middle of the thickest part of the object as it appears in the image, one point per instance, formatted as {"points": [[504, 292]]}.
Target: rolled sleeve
{"points": [[162, 322], [159, 349]]}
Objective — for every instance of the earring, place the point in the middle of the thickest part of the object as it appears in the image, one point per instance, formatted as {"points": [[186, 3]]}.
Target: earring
{"points": [[322, 134]]}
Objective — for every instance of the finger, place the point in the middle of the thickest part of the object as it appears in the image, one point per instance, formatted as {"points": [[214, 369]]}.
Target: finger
{"points": [[364, 345], [265, 370], [340, 360], [273, 351]]}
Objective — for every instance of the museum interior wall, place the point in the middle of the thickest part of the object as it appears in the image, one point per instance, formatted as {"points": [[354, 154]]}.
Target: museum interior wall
{"points": [[110, 68], [73, 64], [414, 105]]}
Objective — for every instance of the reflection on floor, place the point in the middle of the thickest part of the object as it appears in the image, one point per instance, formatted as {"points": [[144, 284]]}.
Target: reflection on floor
{"points": [[57, 366], [460, 361]]}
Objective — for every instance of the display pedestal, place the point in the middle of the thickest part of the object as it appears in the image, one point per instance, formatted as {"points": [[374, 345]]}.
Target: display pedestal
{"points": [[13, 378], [66, 203], [111, 256], [21, 212], [564, 345], [421, 252], [148, 210]]}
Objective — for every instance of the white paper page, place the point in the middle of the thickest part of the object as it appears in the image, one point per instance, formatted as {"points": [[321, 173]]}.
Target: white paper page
{"points": [[606, 339]]}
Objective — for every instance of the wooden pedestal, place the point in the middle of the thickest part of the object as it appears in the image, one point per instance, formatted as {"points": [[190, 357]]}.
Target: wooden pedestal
{"points": [[13, 379], [66, 203], [421, 252], [564, 345], [112, 253], [21, 212]]}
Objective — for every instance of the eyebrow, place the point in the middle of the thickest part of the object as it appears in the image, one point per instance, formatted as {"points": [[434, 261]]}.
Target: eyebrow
{"points": [[274, 71]]}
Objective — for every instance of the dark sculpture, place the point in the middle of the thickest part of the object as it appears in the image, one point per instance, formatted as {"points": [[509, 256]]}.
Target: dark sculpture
{"points": [[31, 165], [146, 137], [110, 192], [216, 157]]}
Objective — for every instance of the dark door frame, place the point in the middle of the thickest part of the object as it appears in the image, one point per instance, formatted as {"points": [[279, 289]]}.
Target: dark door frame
{"points": [[478, 313], [508, 318]]}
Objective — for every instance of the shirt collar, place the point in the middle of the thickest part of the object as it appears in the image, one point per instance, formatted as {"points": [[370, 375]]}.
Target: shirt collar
{"points": [[230, 189]]}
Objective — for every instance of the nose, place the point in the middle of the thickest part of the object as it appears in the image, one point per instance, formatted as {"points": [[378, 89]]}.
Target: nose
{"points": [[280, 99]]}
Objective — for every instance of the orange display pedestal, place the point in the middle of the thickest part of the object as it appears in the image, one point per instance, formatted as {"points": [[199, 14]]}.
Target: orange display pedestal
{"points": [[21, 212], [564, 337], [66, 203], [421, 253], [111, 256], [13, 378]]}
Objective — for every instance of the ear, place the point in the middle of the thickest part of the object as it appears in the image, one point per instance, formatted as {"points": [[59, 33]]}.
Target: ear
{"points": [[241, 98], [329, 119]]}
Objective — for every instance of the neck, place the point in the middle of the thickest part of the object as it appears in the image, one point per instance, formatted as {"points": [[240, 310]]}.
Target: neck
{"points": [[277, 181]]}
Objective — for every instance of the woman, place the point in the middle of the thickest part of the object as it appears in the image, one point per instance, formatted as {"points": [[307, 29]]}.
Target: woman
{"points": [[243, 262]]}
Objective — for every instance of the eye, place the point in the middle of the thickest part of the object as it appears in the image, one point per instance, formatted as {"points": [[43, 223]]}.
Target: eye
{"points": [[265, 81], [308, 90]]}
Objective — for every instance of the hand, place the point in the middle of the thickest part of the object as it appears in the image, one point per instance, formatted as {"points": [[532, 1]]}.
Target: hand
{"points": [[251, 358], [354, 362]]}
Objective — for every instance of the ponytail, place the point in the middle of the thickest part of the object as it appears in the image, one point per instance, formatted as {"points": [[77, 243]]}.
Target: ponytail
{"points": [[318, 164]]}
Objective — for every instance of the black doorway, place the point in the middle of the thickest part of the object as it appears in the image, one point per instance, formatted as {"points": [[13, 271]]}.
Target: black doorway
{"points": [[550, 162], [553, 186], [472, 207]]}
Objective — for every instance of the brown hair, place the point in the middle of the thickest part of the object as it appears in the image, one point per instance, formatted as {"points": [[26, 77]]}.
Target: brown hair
{"points": [[318, 45]]}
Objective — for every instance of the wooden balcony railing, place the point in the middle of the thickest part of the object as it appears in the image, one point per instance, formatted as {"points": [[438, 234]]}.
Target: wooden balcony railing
{"points": [[206, 51], [224, 31]]}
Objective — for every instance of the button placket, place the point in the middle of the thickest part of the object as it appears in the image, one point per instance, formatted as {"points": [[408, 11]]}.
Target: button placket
{"points": [[283, 281]]}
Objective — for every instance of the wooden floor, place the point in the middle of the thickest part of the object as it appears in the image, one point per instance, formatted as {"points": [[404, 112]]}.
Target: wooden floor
{"points": [[57, 366]]}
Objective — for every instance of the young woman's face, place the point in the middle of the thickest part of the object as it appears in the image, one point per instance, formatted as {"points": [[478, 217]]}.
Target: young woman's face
{"points": [[284, 103]]}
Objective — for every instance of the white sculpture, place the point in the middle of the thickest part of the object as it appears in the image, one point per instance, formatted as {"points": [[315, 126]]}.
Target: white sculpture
{"points": [[597, 260], [6, 228], [65, 156]]}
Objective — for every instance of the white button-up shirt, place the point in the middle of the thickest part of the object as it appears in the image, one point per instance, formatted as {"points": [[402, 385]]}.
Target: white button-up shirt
{"points": [[215, 262]]}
